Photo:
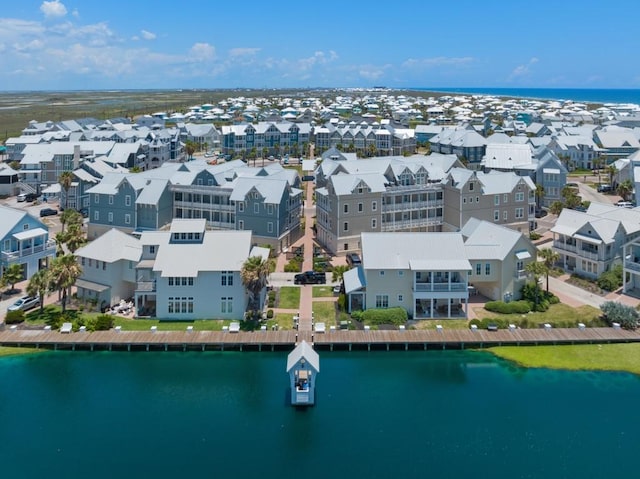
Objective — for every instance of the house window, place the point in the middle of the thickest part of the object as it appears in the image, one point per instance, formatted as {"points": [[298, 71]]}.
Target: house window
{"points": [[496, 200], [360, 207], [110, 217], [464, 200], [519, 265], [82, 260], [240, 224], [346, 208], [400, 298], [170, 281], [382, 301], [227, 278], [270, 227], [477, 199], [226, 305], [110, 199], [374, 205], [478, 269], [256, 208], [382, 272], [519, 213], [127, 200], [374, 223], [104, 265], [346, 246], [505, 198], [152, 249], [505, 215], [96, 215], [487, 269], [400, 273], [241, 206], [269, 209], [496, 215], [127, 219], [471, 186], [345, 226], [520, 196]]}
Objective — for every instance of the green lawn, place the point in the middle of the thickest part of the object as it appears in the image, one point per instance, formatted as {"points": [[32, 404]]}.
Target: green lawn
{"points": [[602, 357], [446, 323], [322, 291], [557, 314], [324, 312], [145, 324], [12, 351], [289, 298], [283, 320]]}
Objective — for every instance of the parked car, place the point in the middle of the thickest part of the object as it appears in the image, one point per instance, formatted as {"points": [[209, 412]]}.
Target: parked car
{"points": [[48, 212], [310, 277], [604, 188], [25, 303], [624, 204], [353, 259], [22, 197]]}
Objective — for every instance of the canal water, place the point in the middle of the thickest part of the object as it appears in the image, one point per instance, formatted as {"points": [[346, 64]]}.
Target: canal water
{"points": [[452, 414]]}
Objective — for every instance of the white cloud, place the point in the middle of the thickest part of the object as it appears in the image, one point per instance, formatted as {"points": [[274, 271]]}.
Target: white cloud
{"points": [[202, 52], [33, 45], [522, 70], [53, 9], [243, 52], [437, 62], [147, 35]]}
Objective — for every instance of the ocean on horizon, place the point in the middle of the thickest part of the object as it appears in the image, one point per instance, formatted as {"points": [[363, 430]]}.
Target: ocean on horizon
{"points": [[453, 414], [595, 95]]}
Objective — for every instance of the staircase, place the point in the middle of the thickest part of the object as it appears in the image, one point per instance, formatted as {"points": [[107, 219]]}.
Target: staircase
{"points": [[25, 188]]}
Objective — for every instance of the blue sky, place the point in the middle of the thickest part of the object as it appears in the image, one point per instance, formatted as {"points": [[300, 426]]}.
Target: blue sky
{"points": [[117, 44]]}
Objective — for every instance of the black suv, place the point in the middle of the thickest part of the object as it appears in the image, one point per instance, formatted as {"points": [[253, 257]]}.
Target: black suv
{"points": [[353, 259], [48, 212]]}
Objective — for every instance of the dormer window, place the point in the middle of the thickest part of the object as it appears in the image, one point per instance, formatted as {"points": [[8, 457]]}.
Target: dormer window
{"points": [[471, 186]]}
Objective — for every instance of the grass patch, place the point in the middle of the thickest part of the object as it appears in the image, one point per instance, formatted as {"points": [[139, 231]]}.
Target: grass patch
{"points": [[597, 357], [322, 291], [446, 323], [13, 351], [283, 320], [289, 297], [324, 312], [145, 324], [557, 313]]}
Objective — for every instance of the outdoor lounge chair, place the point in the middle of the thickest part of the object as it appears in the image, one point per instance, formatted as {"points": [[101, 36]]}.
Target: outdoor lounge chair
{"points": [[66, 328]]}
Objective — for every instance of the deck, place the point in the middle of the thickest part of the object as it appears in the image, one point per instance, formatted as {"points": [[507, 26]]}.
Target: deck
{"points": [[332, 340]]}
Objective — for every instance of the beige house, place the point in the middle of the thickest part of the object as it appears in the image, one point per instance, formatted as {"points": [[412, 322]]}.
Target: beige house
{"points": [[502, 198]]}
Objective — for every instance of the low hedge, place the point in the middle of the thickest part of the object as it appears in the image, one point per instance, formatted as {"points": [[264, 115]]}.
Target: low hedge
{"points": [[14, 317], [395, 316], [513, 307]]}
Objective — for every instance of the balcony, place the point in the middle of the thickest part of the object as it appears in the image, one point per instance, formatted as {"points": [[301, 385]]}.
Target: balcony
{"points": [[146, 287], [408, 205], [440, 287], [48, 247], [408, 224], [521, 274], [632, 265], [203, 206]]}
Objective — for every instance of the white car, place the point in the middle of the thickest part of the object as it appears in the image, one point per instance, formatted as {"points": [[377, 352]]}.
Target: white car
{"points": [[25, 303]]}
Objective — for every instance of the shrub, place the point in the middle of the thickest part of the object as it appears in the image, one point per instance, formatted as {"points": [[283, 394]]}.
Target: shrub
{"points": [[357, 315], [612, 279], [514, 307], [342, 302], [534, 236], [104, 322], [625, 316], [395, 316], [14, 317], [293, 266], [270, 314]]}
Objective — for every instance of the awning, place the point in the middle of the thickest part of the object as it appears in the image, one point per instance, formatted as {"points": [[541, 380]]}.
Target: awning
{"points": [[588, 239], [28, 234], [146, 264], [98, 288], [523, 255]]}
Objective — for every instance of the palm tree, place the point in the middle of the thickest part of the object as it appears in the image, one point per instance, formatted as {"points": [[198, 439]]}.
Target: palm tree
{"points": [[74, 237], [550, 258], [65, 270], [597, 164], [65, 179], [338, 272], [625, 189], [70, 217], [39, 284], [190, 147], [536, 269], [12, 274], [539, 195], [611, 171], [254, 274]]}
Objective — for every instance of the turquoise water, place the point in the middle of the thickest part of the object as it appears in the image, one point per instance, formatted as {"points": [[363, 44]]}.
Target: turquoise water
{"points": [[378, 415], [591, 95]]}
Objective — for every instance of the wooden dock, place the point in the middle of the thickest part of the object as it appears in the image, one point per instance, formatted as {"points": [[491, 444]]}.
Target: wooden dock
{"points": [[332, 340]]}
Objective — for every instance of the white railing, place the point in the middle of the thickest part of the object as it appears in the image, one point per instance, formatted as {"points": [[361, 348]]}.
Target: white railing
{"points": [[146, 286], [404, 224], [50, 245], [411, 205], [440, 287]]}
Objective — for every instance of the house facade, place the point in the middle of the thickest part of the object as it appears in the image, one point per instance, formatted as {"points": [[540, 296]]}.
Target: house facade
{"points": [[24, 240], [591, 243], [108, 268], [190, 273]]}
